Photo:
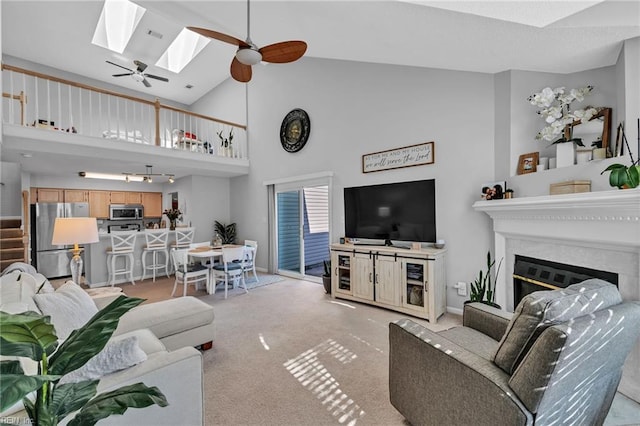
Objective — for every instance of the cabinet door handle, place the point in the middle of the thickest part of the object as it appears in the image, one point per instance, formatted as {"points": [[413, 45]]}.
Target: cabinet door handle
{"points": [[370, 275]]}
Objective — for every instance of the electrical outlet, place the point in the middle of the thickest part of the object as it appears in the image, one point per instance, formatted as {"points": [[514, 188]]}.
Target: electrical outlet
{"points": [[462, 288]]}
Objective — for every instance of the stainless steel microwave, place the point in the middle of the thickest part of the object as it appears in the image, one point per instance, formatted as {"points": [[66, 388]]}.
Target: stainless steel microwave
{"points": [[126, 211]]}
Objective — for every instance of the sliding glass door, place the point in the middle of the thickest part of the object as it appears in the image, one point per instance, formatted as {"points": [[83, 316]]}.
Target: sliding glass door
{"points": [[302, 228], [290, 257]]}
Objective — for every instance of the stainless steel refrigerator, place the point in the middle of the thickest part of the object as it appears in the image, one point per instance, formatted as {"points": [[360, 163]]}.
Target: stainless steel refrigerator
{"points": [[52, 261]]}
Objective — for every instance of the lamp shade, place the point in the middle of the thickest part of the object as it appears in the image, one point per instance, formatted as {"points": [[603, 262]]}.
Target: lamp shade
{"points": [[75, 230]]}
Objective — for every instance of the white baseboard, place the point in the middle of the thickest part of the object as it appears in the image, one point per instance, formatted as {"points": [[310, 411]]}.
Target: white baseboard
{"points": [[453, 310]]}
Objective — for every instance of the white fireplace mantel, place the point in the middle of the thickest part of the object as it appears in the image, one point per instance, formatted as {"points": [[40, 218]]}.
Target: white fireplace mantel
{"points": [[606, 217], [598, 230]]}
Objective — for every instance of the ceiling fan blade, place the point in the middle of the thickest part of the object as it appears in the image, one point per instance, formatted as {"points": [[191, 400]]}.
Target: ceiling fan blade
{"points": [[156, 77], [122, 75], [283, 52], [141, 65], [117, 65], [240, 72], [146, 83], [219, 36]]}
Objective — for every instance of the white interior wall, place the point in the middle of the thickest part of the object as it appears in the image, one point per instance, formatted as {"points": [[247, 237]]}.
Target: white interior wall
{"points": [[209, 202], [630, 62], [358, 108], [10, 190]]}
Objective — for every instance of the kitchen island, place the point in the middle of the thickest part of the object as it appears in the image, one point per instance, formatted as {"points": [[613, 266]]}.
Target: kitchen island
{"points": [[95, 260]]}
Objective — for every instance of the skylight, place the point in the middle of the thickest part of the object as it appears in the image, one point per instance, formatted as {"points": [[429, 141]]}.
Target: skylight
{"points": [[118, 21], [182, 50]]}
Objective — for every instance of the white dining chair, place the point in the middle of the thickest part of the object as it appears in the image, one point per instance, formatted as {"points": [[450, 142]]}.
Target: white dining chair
{"points": [[231, 268], [204, 262], [250, 256], [187, 273]]}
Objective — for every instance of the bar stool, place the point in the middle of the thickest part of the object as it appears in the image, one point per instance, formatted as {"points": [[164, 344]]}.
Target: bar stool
{"points": [[157, 240], [122, 245], [184, 237]]}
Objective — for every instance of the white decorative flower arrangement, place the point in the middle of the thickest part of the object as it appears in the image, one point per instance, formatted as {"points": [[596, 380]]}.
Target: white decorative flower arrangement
{"points": [[555, 104]]}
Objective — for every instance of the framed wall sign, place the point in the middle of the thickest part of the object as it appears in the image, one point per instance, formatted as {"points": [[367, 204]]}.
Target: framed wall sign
{"points": [[408, 156]]}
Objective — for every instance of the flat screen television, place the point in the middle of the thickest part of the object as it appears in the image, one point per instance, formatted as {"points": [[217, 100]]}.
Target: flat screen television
{"points": [[403, 211]]}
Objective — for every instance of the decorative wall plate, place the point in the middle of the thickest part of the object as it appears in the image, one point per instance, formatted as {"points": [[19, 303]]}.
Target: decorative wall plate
{"points": [[295, 130]]}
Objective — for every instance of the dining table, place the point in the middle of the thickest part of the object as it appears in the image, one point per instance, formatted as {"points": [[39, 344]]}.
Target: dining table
{"points": [[211, 254]]}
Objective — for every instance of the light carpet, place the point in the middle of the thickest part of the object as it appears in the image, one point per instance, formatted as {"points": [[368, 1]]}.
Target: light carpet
{"points": [[289, 354]]}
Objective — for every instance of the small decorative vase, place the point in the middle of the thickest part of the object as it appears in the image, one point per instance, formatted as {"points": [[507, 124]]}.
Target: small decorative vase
{"points": [[172, 226], [565, 154]]}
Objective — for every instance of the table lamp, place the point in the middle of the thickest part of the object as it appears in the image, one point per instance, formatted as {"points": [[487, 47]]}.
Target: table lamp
{"points": [[75, 230]]}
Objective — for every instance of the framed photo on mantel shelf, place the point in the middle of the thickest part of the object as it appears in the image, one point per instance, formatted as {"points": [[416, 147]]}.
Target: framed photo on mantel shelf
{"points": [[528, 163]]}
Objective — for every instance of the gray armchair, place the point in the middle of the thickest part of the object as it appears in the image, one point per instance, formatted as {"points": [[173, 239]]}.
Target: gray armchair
{"points": [[557, 360]]}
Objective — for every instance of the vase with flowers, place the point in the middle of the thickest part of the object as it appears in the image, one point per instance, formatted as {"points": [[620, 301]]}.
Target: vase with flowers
{"points": [[556, 111], [173, 215], [225, 143]]}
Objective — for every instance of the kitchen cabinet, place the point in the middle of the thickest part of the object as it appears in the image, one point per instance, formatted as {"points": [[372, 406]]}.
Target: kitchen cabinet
{"points": [[118, 197], [76, 196], [408, 281], [49, 195], [131, 197], [99, 204], [152, 203]]}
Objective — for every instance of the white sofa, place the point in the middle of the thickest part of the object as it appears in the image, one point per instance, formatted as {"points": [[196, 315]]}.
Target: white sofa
{"points": [[166, 331]]}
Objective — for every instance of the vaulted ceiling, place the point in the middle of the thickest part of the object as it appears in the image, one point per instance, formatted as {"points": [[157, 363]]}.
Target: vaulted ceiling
{"points": [[483, 36]]}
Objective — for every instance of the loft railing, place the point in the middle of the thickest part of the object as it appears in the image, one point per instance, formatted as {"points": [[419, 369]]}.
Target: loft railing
{"points": [[57, 104]]}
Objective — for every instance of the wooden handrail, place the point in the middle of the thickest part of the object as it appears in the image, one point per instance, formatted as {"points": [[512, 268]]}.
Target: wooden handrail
{"points": [[121, 95], [23, 100]]}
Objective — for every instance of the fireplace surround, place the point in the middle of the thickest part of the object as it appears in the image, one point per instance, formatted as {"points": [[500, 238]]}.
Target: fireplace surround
{"points": [[530, 274], [595, 230]]}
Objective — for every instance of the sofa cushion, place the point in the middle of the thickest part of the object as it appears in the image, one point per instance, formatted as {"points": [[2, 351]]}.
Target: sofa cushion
{"points": [[167, 317], [70, 307], [541, 309], [117, 355], [16, 293], [473, 340]]}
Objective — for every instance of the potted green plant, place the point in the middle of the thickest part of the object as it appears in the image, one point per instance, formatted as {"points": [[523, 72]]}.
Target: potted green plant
{"points": [[326, 276], [622, 176], [227, 233], [483, 288], [32, 335]]}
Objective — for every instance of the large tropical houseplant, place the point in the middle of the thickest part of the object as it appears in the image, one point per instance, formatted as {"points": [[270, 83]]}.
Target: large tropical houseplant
{"points": [[32, 335]]}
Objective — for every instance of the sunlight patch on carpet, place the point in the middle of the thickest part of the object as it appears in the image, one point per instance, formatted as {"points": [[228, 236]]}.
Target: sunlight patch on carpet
{"points": [[263, 280], [315, 377], [367, 343], [263, 342], [342, 304]]}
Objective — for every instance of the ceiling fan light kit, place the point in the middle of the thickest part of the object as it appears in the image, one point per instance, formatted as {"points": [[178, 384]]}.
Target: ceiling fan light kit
{"points": [[248, 56]]}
